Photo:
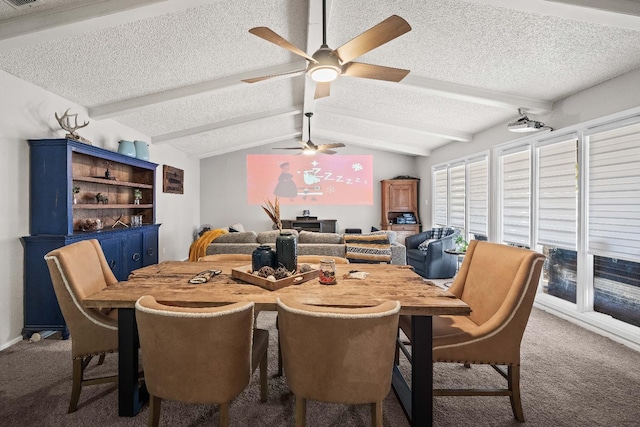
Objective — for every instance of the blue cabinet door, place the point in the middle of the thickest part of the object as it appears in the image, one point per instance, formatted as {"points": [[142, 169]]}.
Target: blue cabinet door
{"points": [[150, 246], [133, 250], [112, 248]]}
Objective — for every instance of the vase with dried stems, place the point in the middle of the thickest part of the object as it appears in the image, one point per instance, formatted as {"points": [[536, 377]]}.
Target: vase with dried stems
{"points": [[286, 243], [273, 211]]}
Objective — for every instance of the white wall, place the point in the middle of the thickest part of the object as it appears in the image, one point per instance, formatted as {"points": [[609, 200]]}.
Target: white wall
{"points": [[612, 96], [223, 181], [27, 112]]}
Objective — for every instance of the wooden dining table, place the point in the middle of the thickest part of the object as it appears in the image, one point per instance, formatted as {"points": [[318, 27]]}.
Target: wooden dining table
{"points": [[169, 283]]}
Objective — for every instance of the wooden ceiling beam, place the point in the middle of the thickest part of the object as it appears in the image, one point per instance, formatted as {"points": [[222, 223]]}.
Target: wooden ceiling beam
{"points": [[131, 105], [265, 115]]}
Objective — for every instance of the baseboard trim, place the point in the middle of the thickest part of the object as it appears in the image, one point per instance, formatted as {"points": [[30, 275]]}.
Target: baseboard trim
{"points": [[615, 330], [10, 343]]}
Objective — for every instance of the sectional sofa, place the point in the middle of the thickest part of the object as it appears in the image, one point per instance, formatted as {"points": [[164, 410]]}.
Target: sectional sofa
{"points": [[309, 243]]}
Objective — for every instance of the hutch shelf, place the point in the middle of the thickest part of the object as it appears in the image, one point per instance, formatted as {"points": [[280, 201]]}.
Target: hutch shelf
{"points": [[60, 216]]}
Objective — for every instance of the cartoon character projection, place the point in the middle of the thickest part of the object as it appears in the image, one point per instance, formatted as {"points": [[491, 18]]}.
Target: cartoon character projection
{"points": [[285, 187]]}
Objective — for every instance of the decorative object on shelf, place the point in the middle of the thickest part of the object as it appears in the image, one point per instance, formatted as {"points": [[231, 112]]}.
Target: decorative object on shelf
{"points": [[65, 124], [263, 256], [100, 198], [273, 211], [136, 220], [142, 149], [287, 251], [107, 172], [306, 213], [75, 190], [137, 195], [172, 180], [327, 271], [118, 221], [127, 148], [90, 224]]}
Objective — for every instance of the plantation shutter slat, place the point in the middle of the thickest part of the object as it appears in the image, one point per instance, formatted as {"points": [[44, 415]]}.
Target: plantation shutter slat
{"points": [[478, 196], [441, 197], [557, 195], [516, 198], [457, 193], [614, 193]]}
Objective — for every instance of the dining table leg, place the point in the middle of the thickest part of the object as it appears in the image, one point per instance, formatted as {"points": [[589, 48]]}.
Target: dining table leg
{"points": [[131, 394], [417, 402]]}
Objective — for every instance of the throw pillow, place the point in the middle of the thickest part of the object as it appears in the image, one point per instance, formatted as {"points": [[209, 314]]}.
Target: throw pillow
{"points": [[236, 227], [425, 245], [367, 248], [391, 235]]}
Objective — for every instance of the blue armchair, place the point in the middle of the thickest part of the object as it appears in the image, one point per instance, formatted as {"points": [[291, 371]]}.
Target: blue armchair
{"points": [[429, 260]]}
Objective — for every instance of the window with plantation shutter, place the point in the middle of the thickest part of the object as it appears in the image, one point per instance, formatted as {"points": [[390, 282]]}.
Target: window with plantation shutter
{"points": [[614, 193], [516, 198], [441, 197], [457, 194], [478, 196], [558, 194]]}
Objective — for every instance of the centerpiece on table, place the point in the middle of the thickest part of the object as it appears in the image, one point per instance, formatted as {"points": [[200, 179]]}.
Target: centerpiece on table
{"points": [[286, 243], [275, 272]]}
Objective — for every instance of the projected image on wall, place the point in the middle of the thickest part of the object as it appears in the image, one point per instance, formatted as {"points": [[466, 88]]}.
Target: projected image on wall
{"points": [[307, 180]]}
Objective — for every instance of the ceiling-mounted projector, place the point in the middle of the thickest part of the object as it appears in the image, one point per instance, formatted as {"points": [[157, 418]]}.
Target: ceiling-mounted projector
{"points": [[524, 124]]}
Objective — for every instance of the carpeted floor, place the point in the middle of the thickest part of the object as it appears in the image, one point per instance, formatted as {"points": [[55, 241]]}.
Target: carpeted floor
{"points": [[570, 377]]}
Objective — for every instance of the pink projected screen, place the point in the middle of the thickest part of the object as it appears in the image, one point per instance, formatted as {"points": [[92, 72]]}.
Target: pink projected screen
{"points": [[309, 180]]}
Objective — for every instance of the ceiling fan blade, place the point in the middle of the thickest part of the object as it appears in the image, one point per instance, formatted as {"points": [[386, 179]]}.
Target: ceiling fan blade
{"points": [[327, 151], [288, 148], [270, 36], [387, 30], [322, 89], [259, 79], [330, 146], [378, 72]]}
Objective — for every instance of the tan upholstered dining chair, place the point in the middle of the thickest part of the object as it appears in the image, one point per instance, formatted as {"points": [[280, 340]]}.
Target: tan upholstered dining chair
{"points": [[499, 283], [199, 355], [339, 355], [78, 270]]}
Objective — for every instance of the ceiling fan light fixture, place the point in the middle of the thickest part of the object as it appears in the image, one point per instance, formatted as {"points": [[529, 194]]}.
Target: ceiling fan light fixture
{"points": [[322, 74], [327, 68], [307, 151]]}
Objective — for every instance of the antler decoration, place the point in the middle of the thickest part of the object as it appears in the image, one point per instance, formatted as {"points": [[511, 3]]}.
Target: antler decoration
{"points": [[273, 210], [65, 123]]}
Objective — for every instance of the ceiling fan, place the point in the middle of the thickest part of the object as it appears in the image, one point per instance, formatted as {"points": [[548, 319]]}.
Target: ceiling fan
{"points": [[326, 64], [311, 148]]}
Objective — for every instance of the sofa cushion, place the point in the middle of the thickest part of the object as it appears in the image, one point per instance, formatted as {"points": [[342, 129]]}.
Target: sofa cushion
{"points": [[313, 237], [239, 237], [271, 235], [369, 248]]}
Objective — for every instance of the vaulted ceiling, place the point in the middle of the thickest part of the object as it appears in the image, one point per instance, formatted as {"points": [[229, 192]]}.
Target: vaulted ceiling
{"points": [[173, 69]]}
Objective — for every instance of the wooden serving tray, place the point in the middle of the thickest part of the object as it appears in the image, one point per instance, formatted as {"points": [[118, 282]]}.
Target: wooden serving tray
{"points": [[242, 274]]}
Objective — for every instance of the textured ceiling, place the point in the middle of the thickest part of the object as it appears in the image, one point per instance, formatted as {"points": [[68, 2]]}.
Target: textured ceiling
{"points": [[172, 69]]}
